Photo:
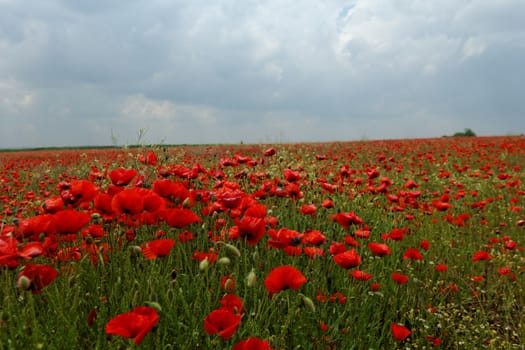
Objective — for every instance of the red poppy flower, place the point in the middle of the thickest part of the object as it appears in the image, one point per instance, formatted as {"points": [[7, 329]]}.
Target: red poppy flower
{"points": [[34, 277], [77, 191], [128, 201], [308, 209], [252, 344], [121, 176], [348, 259], [270, 152], [70, 221], [222, 321], [441, 267], [180, 218], [177, 191], [157, 248], [233, 303], [135, 324], [481, 255], [250, 228], [379, 249], [347, 219], [360, 275], [399, 332], [413, 253], [399, 278], [284, 277]]}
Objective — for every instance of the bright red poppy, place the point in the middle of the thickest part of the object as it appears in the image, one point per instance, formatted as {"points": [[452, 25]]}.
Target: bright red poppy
{"points": [[121, 176], [252, 343], [250, 228], [157, 248], [180, 218], [379, 249], [413, 254], [399, 278], [347, 219], [348, 259], [34, 277], [481, 255], [284, 277], [360, 275], [134, 324], [223, 322], [399, 332]]}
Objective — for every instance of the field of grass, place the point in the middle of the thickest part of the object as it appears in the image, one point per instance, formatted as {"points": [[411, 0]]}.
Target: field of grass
{"points": [[409, 244]]}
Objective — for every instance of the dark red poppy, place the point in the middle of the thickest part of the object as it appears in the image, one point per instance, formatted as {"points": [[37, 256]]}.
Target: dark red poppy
{"points": [[270, 152], [252, 343], [348, 259], [157, 248], [284, 277], [121, 176], [134, 324], [34, 277], [399, 332], [223, 322], [308, 209]]}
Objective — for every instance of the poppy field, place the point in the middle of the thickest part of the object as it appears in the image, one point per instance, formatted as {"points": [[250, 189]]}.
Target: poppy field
{"points": [[409, 244]]}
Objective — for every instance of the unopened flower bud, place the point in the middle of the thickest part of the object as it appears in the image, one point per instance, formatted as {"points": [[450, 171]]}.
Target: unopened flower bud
{"points": [[135, 250], [224, 261], [232, 250], [154, 305], [204, 265], [308, 302], [23, 283], [251, 279]]}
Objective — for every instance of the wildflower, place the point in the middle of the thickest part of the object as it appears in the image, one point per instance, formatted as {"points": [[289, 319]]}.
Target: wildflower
{"points": [[135, 324], [283, 277], [360, 275], [399, 332], [481, 255], [222, 321], [413, 253], [399, 278], [348, 259], [35, 277], [252, 343], [157, 248], [379, 249]]}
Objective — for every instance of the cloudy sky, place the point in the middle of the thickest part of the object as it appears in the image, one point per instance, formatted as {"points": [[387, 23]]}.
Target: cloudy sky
{"points": [[101, 72]]}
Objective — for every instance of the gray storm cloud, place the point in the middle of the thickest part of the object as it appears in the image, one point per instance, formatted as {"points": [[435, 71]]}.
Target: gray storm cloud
{"points": [[76, 73]]}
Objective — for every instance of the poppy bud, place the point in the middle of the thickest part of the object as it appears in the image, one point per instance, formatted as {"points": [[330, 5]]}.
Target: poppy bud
{"points": [[186, 203], [154, 305], [23, 283], [251, 279], [224, 261], [204, 265], [308, 302], [135, 250], [232, 250]]}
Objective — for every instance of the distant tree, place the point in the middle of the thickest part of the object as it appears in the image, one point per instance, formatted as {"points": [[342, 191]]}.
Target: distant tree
{"points": [[466, 133]]}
